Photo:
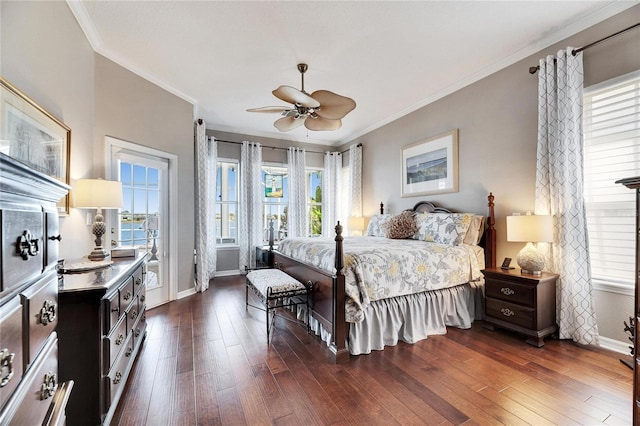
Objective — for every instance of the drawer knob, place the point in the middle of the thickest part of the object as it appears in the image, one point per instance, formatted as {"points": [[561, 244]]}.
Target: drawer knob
{"points": [[6, 361], [48, 312], [507, 291], [120, 339], [142, 298], [49, 386], [138, 281], [128, 352], [507, 312], [137, 332], [117, 378], [26, 245], [134, 314], [127, 295]]}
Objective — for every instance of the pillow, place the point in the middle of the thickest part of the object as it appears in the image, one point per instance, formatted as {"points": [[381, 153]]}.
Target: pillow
{"points": [[400, 226], [475, 231], [374, 229], [443, 228]]}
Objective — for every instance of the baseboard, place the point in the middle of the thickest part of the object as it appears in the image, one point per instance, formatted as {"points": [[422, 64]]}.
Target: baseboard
{"points": [[227, 273], [615, 345], [186, 293]]}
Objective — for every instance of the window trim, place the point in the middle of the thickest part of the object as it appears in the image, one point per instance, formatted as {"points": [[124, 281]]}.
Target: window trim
{"points": [[236, 244]]}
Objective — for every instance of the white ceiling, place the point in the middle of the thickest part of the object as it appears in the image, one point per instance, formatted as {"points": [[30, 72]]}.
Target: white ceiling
{"points": [[391, 57]]}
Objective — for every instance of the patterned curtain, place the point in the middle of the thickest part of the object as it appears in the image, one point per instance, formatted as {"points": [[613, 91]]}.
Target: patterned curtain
{"points": [[559, 192], [206, 157], [355, 183], [251, 195], [297, 212], [331, 175]]}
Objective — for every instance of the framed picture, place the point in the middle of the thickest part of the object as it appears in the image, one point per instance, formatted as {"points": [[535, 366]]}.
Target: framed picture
{"points": [[34, 137], [430, 166], [273, 186]]}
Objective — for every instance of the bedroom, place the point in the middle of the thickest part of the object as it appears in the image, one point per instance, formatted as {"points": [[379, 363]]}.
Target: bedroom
{"points": [[93, 95]]}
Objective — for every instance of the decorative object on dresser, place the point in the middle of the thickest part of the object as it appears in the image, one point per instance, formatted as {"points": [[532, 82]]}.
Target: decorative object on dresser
{"points": [[34, 137], [30, 387], [102, 325], [530, 229], [98, 194], [634, 183], [521, 302]]}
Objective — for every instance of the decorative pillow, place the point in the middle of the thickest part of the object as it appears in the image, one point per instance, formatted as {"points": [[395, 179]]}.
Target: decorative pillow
{"points": [[374, 229], [442, 228], [400, 226], [475, 231]]}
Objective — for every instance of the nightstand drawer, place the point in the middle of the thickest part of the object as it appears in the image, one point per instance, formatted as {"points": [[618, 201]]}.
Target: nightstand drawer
{"points": [[511, 292], [510, 312]]}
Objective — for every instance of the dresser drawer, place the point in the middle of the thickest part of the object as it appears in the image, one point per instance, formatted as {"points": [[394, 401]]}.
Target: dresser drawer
{"points": [[52, 244], [510, 312], [40, 302], [113, 343], [138, 279], [132, 314], [11, 362], [22, 232], [111, 311], [126, 294], [142, 298], [510, 292], [139, 327], [36, 395], [117, 376]]}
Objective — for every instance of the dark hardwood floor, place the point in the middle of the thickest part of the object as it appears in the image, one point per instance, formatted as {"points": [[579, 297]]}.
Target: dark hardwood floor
{"points": [[206, 361]]}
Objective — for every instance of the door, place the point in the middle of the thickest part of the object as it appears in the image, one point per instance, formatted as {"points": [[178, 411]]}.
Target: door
{"points": [[143, 220]]}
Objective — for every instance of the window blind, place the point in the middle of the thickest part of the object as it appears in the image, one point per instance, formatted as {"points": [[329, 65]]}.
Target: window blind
{"points": [[611, 152]]}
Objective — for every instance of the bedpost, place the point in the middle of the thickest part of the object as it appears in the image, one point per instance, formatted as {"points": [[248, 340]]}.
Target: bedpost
{"points": [[490, 235], [339, 332], [381, 208]]}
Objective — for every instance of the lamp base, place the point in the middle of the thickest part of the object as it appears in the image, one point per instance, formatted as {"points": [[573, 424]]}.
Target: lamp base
{"points": [[98, 254], [530, 260], [536, 273]]}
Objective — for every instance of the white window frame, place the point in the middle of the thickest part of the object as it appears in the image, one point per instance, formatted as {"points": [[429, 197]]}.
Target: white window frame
{"points": [[266, 166], [312, 193], [220, 243]]}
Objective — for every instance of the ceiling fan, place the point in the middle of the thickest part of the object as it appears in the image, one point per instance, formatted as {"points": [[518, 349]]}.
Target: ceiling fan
{"points": [[321, 110]]}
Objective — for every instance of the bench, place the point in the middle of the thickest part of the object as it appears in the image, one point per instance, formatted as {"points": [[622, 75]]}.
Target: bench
{"points": [[276, 289]]}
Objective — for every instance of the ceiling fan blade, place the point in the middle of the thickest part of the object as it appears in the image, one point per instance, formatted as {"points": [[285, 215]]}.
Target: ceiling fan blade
{"points": [[294, 96], [285, 124], [333, 106], [278, 109], [321, 124]]}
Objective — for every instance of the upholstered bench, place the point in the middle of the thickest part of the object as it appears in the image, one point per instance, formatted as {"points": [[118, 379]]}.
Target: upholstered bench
{"points": [[276, 289]]}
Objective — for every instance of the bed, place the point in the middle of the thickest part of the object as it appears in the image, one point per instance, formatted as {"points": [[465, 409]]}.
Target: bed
{"points": [[370, 292]]}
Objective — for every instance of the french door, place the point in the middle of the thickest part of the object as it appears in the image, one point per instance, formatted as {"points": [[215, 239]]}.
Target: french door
{"points": [[143, 220]]}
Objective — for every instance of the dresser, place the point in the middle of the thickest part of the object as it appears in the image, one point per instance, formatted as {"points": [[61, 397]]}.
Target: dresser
{"points": [[634, 184], [521, 302], [101, 327], [31, 391]]}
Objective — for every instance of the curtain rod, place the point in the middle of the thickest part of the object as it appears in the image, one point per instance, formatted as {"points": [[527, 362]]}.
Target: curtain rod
{"points": [[574, 52], [278, 147]]}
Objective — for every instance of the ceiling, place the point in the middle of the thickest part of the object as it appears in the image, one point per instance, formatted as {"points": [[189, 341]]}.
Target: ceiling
{"points": [[391, 57]]}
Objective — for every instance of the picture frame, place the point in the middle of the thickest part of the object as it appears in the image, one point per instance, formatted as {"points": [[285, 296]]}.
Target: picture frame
{"points": [[33, 136], [430, 166], [273, 186]]}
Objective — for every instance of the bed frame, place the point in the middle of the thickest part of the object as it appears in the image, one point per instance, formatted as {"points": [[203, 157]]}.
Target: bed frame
{"points": [[328, 298]]}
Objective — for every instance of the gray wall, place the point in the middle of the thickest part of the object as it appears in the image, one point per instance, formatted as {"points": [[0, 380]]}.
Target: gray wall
{"points": [[45, 54], [497, 120]]}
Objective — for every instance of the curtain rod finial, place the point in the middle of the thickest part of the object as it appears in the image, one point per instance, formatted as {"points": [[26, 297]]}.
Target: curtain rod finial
{"points": [[533, 70]]}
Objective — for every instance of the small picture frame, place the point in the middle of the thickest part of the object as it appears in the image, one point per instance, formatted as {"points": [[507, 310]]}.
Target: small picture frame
{"points": [[505, 263]]}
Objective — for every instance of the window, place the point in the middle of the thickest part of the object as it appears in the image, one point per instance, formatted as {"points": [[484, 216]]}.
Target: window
{"points": [[612, 152], [314, 203], [275, 201], [227, 202]]}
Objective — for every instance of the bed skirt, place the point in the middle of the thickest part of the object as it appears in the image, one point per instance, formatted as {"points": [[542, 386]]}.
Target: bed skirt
{"points": [[410, 318]]}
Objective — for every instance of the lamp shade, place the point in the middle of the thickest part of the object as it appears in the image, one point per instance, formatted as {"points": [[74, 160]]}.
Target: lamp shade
{"points": [[97, 194], [356, 223], [530, 229]]}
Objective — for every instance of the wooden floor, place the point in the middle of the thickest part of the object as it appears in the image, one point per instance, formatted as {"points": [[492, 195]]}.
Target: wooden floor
{"points": [[206, 361]]}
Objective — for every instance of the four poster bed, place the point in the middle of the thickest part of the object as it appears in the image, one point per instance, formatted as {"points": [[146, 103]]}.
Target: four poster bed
{"points": [[369, 292]]}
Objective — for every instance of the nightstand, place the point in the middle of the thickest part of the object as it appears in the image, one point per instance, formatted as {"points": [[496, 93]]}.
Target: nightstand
{"points": [[521, 302]]}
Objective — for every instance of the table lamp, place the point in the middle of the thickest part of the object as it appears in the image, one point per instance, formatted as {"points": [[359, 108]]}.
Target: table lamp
{"points": [[530, 229], [356, 224], [98, 194]]}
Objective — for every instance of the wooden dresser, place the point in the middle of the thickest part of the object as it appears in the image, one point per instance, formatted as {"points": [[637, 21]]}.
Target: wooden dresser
{"points": [[31, 391], [634, 183], [101, 328], [521, 302]]}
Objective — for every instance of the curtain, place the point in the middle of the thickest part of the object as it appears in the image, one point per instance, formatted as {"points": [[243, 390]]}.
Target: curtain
{"points": [[559, 192], [331, 175], [205, 174], [251, 195], [355, 183], [297, 213]]}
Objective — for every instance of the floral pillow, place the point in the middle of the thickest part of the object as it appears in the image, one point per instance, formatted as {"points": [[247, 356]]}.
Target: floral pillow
{"points": [[400, 226], [375, 225], [442, 228]]}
